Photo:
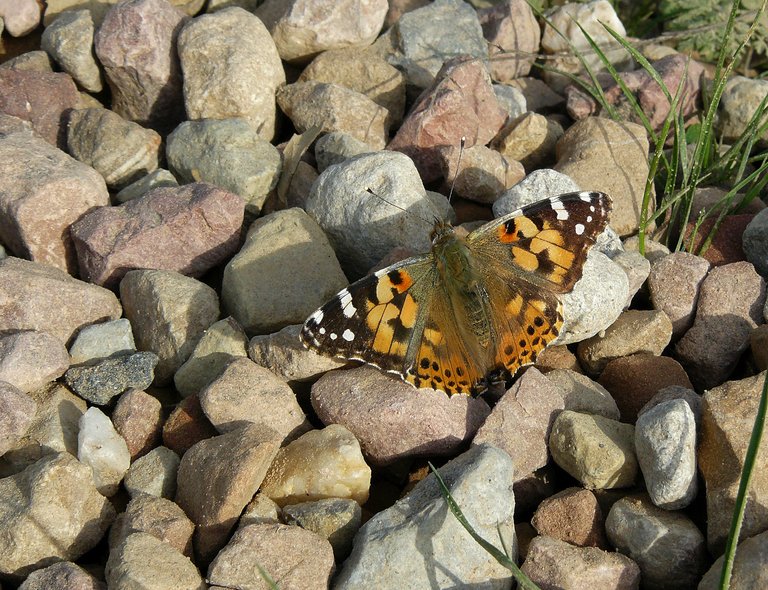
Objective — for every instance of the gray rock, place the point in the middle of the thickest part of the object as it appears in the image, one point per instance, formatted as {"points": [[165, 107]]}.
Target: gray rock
{"points": [[667, 546], [755, 242], [654, 251], [674, 392], [335, 519], [584, 395], [228, 153], [665, 442], [739, 102], [637, 267], [153, 474], [100, 382], [101, 340], [749, 566], [158, 178], [121, 151], [69, 40], [513, 101], [336, 147], [422, 516]]}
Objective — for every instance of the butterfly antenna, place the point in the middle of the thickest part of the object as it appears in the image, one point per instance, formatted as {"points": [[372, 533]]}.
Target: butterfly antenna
{"points": [[458, 163], [395, 205]]}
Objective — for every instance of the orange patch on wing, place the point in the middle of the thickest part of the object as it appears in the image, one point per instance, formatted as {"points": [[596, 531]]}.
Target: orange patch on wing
{"points": [[385, 334], [516, 229], [525, 259], [408, 312]]}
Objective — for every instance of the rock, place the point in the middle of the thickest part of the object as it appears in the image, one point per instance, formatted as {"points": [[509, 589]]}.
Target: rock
{"points": [[654, 251], [35, 61], [138, 418], [529, 138], [69, 40], [189, 229], [223, 342], [20, 17], [263, 510], [391, 419], [30, 359], [186, 426], [334, 519], [511, 99], [728, 309], [99, 383], [551, 563], [584, 395], [102, 340], [335, 108], [557, 357], [136, 45], [513, 36], [97, 8], [337, 147], [482, 174], [158, 178], [245, 393], [727, 242], [749, 569], [520, 422], [597, 451], [296, 559], [50, 512], [673, 392], [255, 288], [758, 343], [40, 297], [399, 531], [459, 104], [618, 166], [36, 180], [17, 411], [739, 102], [231, 69], [63, 574], [573, 516], [153, 474], [228, 153], [665, 442], [637, 267], [667, 546], [633, 380], [728, 417], [532, 188], [142, 561], [158, 517], [169, 313], [755, 242], [217, 477], [101, 448], [634, 331], [320, 464]]}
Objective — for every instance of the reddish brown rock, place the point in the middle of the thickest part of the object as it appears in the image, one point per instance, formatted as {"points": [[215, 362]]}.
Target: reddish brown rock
{"points": [[41, 98], [557, 357], [513, 36], [460, 103], [573, 516], [188, 229], [138, 418], [726, 246], [136, 45], [186, 426], [633, 380], [159, 517]]}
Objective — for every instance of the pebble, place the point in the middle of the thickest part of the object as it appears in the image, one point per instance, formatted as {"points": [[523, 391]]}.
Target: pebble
{"points": [[597, 451], [727, 244], [617, 166], [158, 178], [551, 563], [50, 511], [319, 464], [654, 251], [41, 297], [665, 442], [37, 179], [399, 532], [535, 186], [727, 420], [674, 392], [189, 230], [101, 448], [169, 314], [246, 393], [482, 173], [633, 380], [262, 509], [158, 517], [574, 516], [69, 41], [584, 395], [667, 546], [63, 574], [138, 418], [511, 99], [391, 419], [135, 44], [153, 474], [217, 477], [531, 139], [740, 100], [460, 103], [283, 353], [30, 359], [224, 341], [231, 69], [100, 382], [186, 426], [557, 357], [142, 561], [749, 569], [293, 557], [20, 17], [17, 411], [36, 61], [102, 340], [755, 242], [257, 291], [730, 300], [634, 331], [334, 519], [336, 147], [520, 422], [513, 36]]}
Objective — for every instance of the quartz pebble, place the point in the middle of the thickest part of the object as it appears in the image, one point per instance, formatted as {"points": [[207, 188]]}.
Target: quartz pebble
{"points": [[103, 449]]}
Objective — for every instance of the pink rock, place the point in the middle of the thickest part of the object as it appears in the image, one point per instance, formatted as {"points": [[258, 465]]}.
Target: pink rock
{"points": [[42, 98], [40, 297], [726, 246], [136, 44], [29, 360], [460, 103], [138, 418], [20, 17], [513, 35], [186, 426], [574, 516], [188, 229]]}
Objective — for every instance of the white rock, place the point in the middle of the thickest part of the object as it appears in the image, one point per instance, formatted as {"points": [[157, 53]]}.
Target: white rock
{"points": [[103, 449]]}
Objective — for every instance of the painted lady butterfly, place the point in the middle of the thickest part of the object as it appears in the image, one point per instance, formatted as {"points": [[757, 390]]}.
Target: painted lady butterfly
{"points": [[473, 305]]}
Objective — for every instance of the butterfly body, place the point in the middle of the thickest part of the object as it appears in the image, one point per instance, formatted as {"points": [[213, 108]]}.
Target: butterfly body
{"points": [[477, 304]]}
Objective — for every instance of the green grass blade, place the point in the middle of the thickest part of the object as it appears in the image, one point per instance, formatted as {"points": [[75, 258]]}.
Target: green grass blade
{"points": [[523, 580], [746, 478]]}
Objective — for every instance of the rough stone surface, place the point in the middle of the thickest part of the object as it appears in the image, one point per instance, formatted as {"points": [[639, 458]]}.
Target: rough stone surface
{"points": [[100, 382], [101, 340], [158, 517], [153, 474], [30, 359], [17, 410], [749, 569], [335, 519], [138, 418], [755, 242], [573, 516], [64, 575], [186, 426], [101, 448], [159, 178], [513, 35], [69, 40], [584, 395]]}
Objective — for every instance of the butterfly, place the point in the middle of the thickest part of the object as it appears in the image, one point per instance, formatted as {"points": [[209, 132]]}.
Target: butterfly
{"points": [[473, 306]]}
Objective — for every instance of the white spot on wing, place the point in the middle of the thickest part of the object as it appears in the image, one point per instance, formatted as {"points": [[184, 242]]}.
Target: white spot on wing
{"points": [[332, 336], [345, 300], [585, 196], [589, 219], [579, 227], [559, 208], [321, 331], [348, 335], [317, 317]]}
